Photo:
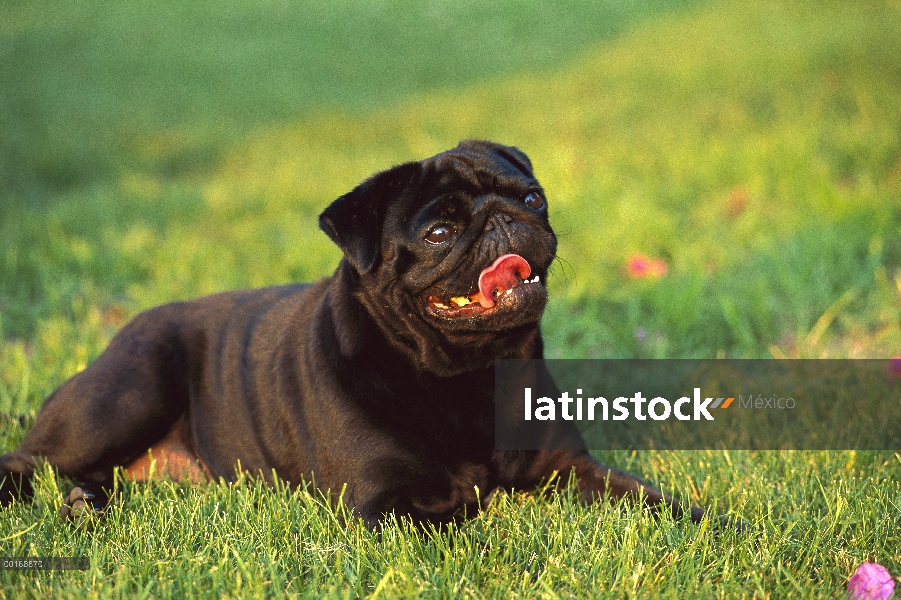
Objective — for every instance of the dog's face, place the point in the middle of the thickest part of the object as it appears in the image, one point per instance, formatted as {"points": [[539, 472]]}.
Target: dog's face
{"points": [[458, 243]]}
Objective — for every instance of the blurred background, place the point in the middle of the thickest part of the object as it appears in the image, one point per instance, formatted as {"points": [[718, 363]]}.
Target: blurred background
{"points": [[724, 176]]}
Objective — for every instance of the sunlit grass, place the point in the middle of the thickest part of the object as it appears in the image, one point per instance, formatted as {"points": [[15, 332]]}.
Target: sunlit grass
{"points": [[754, 148], [248, 539]]}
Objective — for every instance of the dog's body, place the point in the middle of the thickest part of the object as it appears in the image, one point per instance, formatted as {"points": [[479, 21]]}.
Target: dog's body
{"points": [[379, 378]]}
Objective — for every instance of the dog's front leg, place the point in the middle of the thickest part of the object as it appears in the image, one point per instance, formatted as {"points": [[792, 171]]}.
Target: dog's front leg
{"points": [[596, 481]]}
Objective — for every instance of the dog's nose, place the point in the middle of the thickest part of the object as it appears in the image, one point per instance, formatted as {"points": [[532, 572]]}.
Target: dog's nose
{"points": [[507, 218]]}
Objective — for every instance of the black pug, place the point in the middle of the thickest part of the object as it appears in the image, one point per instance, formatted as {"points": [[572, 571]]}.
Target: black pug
{"points": [[380, 377]]}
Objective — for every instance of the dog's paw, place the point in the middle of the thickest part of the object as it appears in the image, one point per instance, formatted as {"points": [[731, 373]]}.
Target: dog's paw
{"points": [[81, 503], [728, 523], [8, 489], [13, 485], [721, 524]]}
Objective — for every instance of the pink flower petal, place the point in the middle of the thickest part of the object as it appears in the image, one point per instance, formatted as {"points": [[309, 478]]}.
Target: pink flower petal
{"points": [[871, 581], [639, 266]]}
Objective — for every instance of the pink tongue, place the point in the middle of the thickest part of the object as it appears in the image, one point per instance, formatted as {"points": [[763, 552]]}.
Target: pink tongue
{"points": [[501, 276]]}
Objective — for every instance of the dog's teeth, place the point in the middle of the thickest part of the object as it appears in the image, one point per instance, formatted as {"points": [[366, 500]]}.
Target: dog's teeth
{"points": [[462, 301]]}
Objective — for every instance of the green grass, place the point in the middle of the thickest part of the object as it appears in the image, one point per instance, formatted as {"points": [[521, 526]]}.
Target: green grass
{"points": [[156, 153], [85, 84], [247, 540]]}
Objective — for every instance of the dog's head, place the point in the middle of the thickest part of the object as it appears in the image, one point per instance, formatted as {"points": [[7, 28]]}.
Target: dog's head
{"points": [[457, 245]]}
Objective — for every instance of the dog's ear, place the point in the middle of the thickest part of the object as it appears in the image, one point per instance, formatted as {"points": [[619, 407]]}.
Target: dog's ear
{"points": [[354, 221]]}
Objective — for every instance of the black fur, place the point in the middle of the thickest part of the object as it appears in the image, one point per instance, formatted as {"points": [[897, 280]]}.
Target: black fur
{"points": [[352, 379]]}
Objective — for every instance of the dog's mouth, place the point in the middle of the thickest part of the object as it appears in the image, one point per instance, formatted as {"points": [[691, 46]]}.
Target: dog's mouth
{"points": [[499, 285]]}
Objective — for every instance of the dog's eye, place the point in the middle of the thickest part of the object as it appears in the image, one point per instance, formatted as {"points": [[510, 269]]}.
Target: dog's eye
{"points": [[440, 234], [533, 200]]}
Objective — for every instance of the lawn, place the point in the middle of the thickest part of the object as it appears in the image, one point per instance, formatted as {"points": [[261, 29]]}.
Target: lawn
{"points": [[749, 152]]}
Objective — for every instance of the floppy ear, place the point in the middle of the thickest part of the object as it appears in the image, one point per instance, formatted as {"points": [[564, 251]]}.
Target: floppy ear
{"points": [[354, 221]]}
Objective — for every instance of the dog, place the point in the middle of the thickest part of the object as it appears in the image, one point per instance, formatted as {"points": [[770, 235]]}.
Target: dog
{"points": [[379, 378]]}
